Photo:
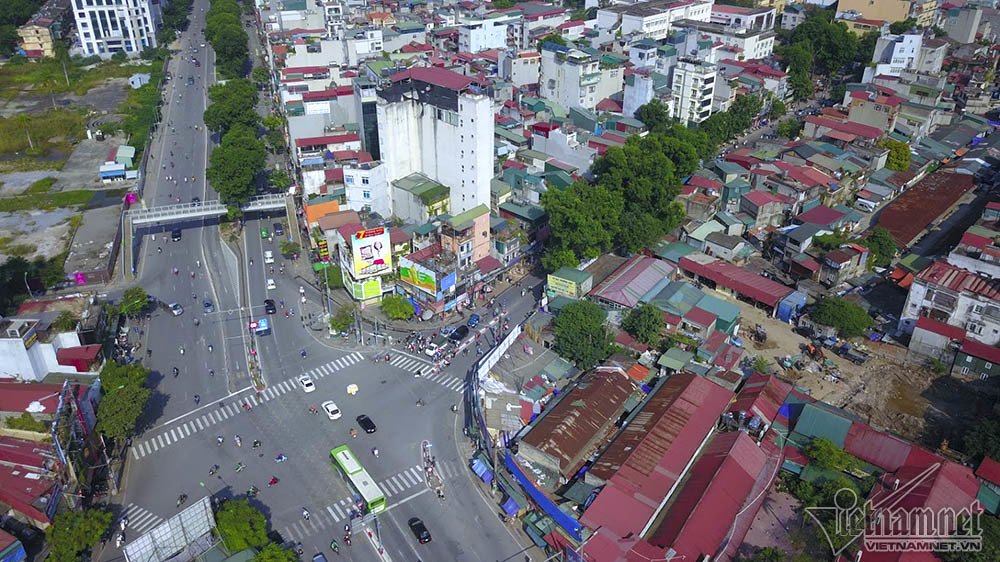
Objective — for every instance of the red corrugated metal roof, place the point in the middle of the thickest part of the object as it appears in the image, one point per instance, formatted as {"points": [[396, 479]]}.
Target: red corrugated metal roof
{"points": [[15, 396], [943, 274], [328, 140], [744, 282], [914, 210], [81, 357], [648, 457], [700, 317], [760, 198], [820, 215], [989, 470], [328, 94], [432, 75], [762, 396], [305, 70], [874, 447], [858, 129], [579, 423], [632, 280], [718, 485], [981, 350], [935, 327]]}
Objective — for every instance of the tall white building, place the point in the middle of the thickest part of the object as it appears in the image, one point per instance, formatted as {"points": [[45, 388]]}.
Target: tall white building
{"points": [[694, 87], [653, 19], [476, 36], [105, 27], [894, 54], [573, 78], [433, 121]]}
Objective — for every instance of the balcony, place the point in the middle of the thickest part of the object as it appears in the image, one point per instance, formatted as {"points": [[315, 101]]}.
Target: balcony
{"points": [[590, 79]]}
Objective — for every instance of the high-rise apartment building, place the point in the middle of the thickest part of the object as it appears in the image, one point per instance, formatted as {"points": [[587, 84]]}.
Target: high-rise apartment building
{"points": [[105, 27]]}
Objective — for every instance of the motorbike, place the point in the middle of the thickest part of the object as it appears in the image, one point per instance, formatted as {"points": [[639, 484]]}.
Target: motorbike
{"points": [[239, 441], [181, 499]]}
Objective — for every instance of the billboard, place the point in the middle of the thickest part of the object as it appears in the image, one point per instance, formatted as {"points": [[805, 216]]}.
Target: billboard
{"points": [[417, 276], [372, 252]]}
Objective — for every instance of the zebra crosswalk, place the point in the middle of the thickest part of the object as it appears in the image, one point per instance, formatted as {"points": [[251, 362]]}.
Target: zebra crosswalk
{"points": [[140, 520], [408, 362], [334, 516], [448, 381], [214, 415]]}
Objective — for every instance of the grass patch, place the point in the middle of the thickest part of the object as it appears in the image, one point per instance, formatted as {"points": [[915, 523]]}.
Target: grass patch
{"points": [[41, 186], [46, 76], [21, 250], [141, 108], [29, 165], [37, 134], [46, 201]]}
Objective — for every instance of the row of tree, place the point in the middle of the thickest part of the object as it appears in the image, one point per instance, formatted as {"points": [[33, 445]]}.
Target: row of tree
{"points": [[224, 30], [820, 46], [14, 14], [235, 165]]}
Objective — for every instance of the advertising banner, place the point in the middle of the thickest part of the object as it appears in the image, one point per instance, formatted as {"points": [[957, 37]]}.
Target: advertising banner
{"points": [[372, 252], [417, 276]]}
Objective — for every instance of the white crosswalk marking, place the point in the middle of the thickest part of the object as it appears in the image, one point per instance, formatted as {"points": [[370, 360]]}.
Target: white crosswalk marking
{"points": [[135, 453], [251, 400], [140, 520]]}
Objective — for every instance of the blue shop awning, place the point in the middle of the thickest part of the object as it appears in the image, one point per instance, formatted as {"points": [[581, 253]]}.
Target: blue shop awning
{"points": [[482, 471]]}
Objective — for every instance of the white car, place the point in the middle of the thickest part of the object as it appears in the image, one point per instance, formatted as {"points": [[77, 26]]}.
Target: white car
{"points": [[175, 309], [331, 409], [431, 349], [270, 285], [268, 256], [306, 382]]}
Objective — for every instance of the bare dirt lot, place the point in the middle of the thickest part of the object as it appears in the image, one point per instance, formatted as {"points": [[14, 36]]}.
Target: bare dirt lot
{"points": [[894, 390]]}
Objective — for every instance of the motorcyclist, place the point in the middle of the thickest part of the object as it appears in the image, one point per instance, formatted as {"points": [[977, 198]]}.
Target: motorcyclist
{"points": [[305, 514], [274, 480], [220, 439], [354, 433], [375, 451], [197, 399], [176, 371], [181, 499], [256, 443], [213, 470], [239, 441]]}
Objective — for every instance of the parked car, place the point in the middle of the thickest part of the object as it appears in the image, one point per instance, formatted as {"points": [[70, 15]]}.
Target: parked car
{"points": [[175, 235], [366, 423], [419, 530], [459, 334], [473, 320], [269, 306]]}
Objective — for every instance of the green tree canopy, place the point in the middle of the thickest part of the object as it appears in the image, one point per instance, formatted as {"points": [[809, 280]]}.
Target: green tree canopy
{"points": [[241, 526], [275, 553], [555, 38], [115, 376], [260, 76], [644, 323], [849, 319], [901, 27], [343, 319], [825, 454], [767, 554], [235, 164], [73, 532], [397, 307], [120, 410], [983, 440], [581, 335], [989, 530], [789, 128], [724, 126], [899, 154], [882, 247], [134, 301], [833, 46], [778, 109], [584, 219], [654, 115], [232, 103]]}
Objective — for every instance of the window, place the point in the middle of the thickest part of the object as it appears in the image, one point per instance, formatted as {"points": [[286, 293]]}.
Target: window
{"points": [[965, 370], [989, 365], [366, 194], [364, 180], [349, 180]]}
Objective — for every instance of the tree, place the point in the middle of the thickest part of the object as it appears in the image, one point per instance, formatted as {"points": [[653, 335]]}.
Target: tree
{"points": [[115, 376], [343, 319], [833, 46], [555, 258], [581, 335], [899, 154], [502, 4], [260, 76], [120, 410], [231, 103], [73, 532], [65, 322], [235, 164], [583, 219], [8, 39], [849, 319], [767, 554], [789, 128], [134, 301], [275, 553], [901, 27], [761, 364], [654, 115], [279, 179], [989, 530], [241, 526], [778, 109], [554, 38], [801, 84], [983, 440], [644, 323], [397, 307], [882, 247], [825, 454], [288, 248]]}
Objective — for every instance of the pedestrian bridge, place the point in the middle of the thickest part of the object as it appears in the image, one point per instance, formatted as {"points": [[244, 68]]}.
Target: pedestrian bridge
{"points": [[181, 212]]}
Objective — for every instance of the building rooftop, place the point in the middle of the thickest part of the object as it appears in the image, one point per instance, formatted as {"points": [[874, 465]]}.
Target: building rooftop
{"points": [[576, 426], [910, 213], [626, 286], [435, 76], [423, 187], [735, 278]]}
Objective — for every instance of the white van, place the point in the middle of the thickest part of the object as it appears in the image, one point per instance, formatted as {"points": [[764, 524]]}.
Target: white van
{"points": [[864, 205]]}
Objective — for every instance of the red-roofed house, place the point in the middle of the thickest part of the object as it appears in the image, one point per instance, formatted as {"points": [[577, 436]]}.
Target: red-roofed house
{"points": [[874, 109], [724, 276], [766, 208], [819, 126], [936, 339], [989, 471], [976, 360], [319, 146], [640, 468]]}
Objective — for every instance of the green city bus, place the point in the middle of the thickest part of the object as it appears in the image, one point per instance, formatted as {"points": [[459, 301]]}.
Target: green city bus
{"points": [[361, 483]]}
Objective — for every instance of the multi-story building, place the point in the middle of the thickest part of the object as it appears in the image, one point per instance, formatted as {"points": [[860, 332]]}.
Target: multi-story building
{"points": [[40, 33], [366, 188], [962, 24], [793, 15], [748, 43], [894, 54], [642, 87], [891, 10], [653, 19], [694, 88], [573, 78], [520, 68], [875, 109], [366, 101], [114, 26], [957, 297], [361, 44], [434, 121], [757, 19], [476, 36]]}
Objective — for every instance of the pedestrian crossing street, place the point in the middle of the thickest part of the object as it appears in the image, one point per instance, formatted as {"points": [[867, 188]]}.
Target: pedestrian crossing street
{"points": [[450, 382], [332, 518], [139, 520]]}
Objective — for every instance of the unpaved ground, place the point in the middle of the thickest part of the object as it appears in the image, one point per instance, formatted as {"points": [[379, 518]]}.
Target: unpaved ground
{"points": [[101, 100], [46, 232]]}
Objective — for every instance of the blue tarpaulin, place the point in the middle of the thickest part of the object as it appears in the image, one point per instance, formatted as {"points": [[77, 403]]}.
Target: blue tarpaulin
{"points": [[510, 507], [570, 525], [482, 471]]}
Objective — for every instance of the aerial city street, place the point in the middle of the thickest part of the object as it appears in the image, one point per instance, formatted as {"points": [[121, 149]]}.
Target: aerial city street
{"points": [[499, 280]]}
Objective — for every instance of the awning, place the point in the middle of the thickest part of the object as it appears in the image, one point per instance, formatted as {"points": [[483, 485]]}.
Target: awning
{"points": [[482, 471], [488, 265], [510, 507], [320, 265]]}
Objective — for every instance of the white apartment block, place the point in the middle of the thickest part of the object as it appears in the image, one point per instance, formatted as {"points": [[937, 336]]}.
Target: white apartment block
{"points": [[694, 89], [361, 44], [366, 188], [894, 54], [957, 297], [562, 144], [433, 121], [483, 35], [756, 19], [520, 68], [105, 27], [573, 78], [654, 19], [748, 44]]}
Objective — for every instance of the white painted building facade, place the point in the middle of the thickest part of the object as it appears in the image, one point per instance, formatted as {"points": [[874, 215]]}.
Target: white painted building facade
{"points": [[694, 89], [366, 187], [105, 27]]}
